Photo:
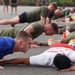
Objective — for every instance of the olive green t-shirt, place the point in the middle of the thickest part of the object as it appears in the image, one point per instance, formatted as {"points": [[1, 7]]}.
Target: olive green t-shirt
{"points": [[38, 28], [65, 12], [36, 13], [69, 37]]}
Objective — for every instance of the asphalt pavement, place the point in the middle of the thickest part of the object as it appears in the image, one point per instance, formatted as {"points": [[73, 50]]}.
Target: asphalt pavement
{"points": [[27, 69]]}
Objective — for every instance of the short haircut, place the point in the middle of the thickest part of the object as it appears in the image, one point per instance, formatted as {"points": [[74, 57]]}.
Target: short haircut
{"points": [[54, 4], [62, 5], [61, 61], [23, 35], [55, 27]]}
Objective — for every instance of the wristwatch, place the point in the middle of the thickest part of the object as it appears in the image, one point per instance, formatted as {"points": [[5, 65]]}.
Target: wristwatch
{"points": [[40, 44]]}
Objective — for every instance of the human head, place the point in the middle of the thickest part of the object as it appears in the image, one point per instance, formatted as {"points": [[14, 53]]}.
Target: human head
{"points": [[72, 43], [57, 12], [51, 29], [61, 61], [72, 10], [23, 41], [52, 6]]}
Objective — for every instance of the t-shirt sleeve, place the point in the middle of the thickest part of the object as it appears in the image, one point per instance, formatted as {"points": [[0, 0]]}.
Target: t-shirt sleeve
{"points": [[40, 60]]}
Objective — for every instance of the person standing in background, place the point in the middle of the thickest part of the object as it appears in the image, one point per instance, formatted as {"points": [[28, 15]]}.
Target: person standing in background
{"points": [[5, 3], [13, 4]]}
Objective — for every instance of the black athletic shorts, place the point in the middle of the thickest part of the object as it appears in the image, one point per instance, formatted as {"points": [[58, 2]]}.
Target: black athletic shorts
{"points": [[50, 14], [23, 18]]}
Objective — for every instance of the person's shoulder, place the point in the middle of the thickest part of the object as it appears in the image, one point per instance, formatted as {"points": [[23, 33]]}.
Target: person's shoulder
{"points": [[5, 38]]}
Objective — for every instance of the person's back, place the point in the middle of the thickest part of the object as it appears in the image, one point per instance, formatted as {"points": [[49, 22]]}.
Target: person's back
{"points": [[65, 12], [37, 13], [6, 46], [38, 28]]}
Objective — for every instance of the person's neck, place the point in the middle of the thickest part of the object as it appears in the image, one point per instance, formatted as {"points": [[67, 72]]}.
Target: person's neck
{"points": [[16, 48]]}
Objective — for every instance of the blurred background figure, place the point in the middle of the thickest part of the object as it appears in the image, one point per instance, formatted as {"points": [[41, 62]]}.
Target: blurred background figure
{"points": [[13, 4], [5, 3], [61, 7]]}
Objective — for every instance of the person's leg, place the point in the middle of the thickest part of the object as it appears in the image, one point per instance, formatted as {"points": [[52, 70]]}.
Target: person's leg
{"points": [[9, 32], [4, 9], [15, 10], [11, 10], [14, 20], [22, 18], [7, 8]]}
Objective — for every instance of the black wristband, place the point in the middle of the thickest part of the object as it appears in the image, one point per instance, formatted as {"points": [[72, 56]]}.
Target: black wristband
{"points": [[40, 44]]}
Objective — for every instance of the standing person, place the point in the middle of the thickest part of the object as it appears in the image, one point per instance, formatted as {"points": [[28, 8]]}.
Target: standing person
{"points": [[61, 7], [14, 4], [44, 13], [21, 43], [6, 3], [56, 56]]}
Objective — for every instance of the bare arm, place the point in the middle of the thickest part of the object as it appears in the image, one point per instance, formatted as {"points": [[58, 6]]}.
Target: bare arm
{"points": [[43, 19], [16, 61], [48, 21], [72, 68]]}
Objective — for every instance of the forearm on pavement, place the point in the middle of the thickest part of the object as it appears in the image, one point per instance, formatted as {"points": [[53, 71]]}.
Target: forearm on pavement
{"points": [[16, 61]]}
